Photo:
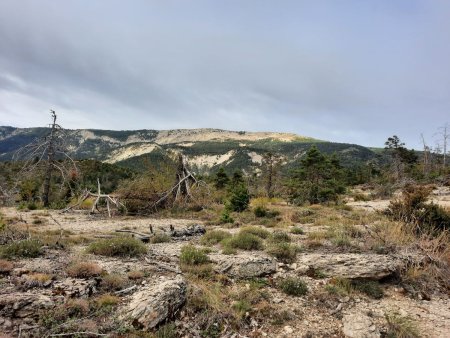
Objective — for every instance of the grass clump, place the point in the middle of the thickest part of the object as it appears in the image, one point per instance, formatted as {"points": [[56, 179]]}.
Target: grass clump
{"points": [[84, 270], [113, 282], [401, 327], [284, 252], [279, 237], [370, 288], [29, 248], [135, 274], [118, 246], [195, 262], [340, 286], [191, 255], [244, 241], [106, 301], [294, 287], [297, 231], [160, 238], [257, 231], [214, 237]]}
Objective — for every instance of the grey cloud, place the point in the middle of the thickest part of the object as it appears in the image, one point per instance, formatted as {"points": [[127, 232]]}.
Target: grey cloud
{"points": [[357, 72]]}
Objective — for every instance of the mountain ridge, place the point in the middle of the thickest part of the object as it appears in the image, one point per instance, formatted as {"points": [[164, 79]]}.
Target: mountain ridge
{"points": [[205, 148]]}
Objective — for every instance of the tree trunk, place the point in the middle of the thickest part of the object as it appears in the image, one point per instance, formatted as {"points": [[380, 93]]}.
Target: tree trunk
{"points": [[49, 167]]}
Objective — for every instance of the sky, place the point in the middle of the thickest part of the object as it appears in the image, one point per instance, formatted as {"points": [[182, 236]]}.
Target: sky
{"points": [[353, 71]]}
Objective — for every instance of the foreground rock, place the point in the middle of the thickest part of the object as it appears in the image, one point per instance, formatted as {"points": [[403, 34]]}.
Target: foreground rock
{"points": [[23, 305], [74, 287], [351, 265], [244, 265], [155, 302], [358, 325]]}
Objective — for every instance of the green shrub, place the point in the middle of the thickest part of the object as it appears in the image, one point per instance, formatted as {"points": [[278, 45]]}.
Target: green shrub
{"points": [[257, 231], [214, 237], [279, 237], [118, 246], [412, 208], [239, 198], [260, 211], [244, 241], [284, 252], [160, 238], [297, 231], [29, 248], [190, 255], [225, 217], [370, 288], [294, 286]]}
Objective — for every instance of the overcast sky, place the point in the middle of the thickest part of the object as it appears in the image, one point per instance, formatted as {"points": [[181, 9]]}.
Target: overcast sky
{"points": [[346, 71]]}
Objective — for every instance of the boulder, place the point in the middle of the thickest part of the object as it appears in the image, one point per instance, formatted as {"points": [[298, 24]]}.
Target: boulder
{"points": [[351, 265], [22, 305], [155, 302], [244, 265], [359, 325], [75, 287]]}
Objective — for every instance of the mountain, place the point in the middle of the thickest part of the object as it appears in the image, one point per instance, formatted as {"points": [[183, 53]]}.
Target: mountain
{"points": [[206, 149]]}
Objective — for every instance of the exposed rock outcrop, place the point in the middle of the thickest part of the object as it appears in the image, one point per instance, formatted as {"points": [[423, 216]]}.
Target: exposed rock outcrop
{"points": [[155, 302], [244, 265], [22, 305], [351, 265]]}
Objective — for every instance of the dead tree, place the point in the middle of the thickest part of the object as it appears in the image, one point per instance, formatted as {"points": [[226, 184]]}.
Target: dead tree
{"points": [[184, 182], [444, 134], [44, 153], [109, 200]]}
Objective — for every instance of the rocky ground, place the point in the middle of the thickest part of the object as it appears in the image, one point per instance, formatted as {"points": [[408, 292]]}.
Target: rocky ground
{"points": [[241, 295]]}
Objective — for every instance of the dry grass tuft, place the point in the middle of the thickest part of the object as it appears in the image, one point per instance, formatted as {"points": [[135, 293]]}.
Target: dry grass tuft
{"points": [[84, 270]]}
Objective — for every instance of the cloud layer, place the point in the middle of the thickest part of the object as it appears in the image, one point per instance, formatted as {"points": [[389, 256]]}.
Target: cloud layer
{"points": [[353, 71]]}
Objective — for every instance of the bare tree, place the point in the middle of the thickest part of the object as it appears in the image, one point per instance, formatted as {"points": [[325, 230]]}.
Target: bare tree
{"points": [[426, 157], [50, 154], [444, 135]]}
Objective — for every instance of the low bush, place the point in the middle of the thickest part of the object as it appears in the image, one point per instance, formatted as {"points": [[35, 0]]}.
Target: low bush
{"points": [[84, 270], [297, 231], [160, 238], [191, 255], [279, 237], [214, 236], [257, 231], [106, 301], [293, 286], [260, 211], [370, 288], [225, 217], [244, 241], [135, 274], [412, 209], [401, 327], [113, 282], [284, 252], [118, 246], [29, 248]]}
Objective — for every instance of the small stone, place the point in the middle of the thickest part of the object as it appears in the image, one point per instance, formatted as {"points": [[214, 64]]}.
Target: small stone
{"points": [[345, 299], [277, 300], [288, 329]]}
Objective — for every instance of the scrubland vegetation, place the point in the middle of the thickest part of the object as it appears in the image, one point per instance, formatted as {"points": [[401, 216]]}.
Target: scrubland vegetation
{"points": [[274, 255]]}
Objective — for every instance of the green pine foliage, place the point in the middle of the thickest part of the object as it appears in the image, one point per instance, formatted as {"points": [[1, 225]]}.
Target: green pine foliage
{"points": [[320, 178]]}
